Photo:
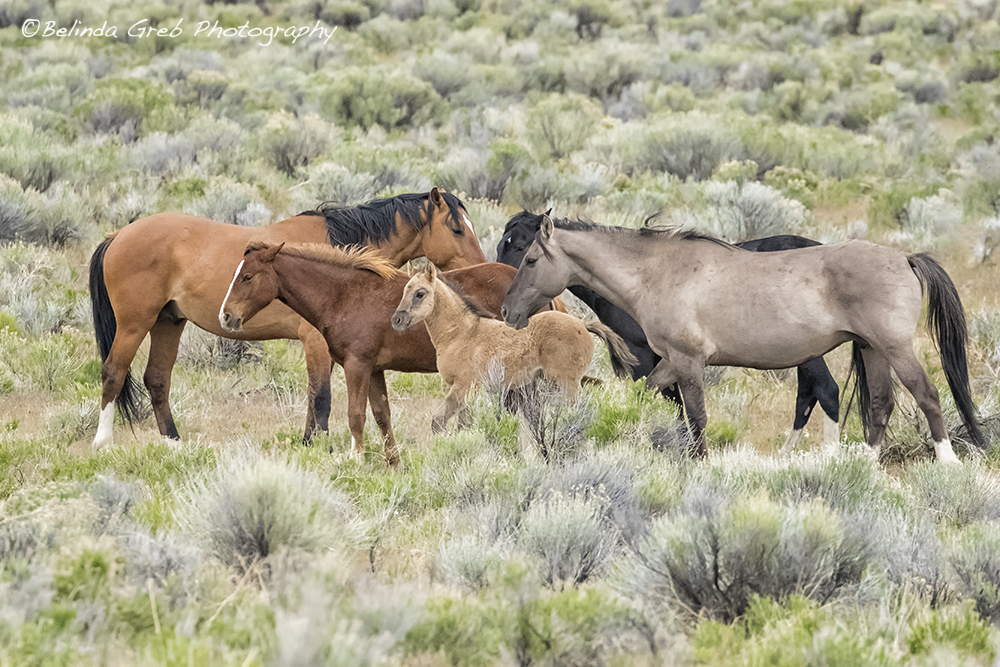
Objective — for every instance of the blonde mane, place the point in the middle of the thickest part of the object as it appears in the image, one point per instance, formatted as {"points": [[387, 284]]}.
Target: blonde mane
{"points": [[351, 257]]}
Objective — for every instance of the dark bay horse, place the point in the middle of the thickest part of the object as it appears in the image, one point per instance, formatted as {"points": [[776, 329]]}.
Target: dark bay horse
{"points": [[350, 296], [815, 382], [702, 301], [160, 272]]}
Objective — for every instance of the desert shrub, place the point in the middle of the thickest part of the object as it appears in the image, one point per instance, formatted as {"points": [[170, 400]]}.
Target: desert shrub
{"points": [[602, 71], [31, 157], [484, 175], [567, 534], [541, 187], [331, 182], [955, 495], [552, 427], [561, 124], [447, 72], [888, 206], [127, 107], [49, 363], [160, 153], [748, 211], [290, 143], [714, 557], [36, 291], [691, 145], [928, 218], [230, 202], [370, 97], [974, 553], [468, 561], [252, 506]]}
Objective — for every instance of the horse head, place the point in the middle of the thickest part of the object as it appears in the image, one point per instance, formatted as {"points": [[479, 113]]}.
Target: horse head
{"points": [[254, 286], [517, 237], [418, 299], [543, 275], [449, 239]]}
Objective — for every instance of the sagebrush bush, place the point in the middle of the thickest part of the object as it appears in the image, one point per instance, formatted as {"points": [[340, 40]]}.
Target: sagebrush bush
{"points": [[955, 495], [930, 218], [30, 156], [561, 124], [742, 212], [714, 557], [974, 553], [370, 97], [291, 144], [35, 290], [232, 203], [54, 218], [253, 506]]}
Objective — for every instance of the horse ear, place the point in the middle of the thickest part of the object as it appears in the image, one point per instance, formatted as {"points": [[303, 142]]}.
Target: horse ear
{"points": [[436, 198], [269, 254], [546, 227], [430, 271], [548, 212]]}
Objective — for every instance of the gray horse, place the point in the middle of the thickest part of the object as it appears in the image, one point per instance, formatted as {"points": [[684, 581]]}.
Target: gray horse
{"points": [[704, 302]]}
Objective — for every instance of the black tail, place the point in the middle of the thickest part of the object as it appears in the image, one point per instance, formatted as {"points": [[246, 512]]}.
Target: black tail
{"points": [[622, 359], [105, 326], [859, 390], [946, 319]]}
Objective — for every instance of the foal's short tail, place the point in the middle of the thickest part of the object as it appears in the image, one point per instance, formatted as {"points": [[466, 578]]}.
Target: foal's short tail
{"points": [[105, 328], [946, 319], [622, 359]]}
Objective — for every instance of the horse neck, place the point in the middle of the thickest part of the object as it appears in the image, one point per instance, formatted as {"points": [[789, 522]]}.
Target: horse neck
{"points": [[599, 262], [303, 285], [449, 318], [405, 244]]}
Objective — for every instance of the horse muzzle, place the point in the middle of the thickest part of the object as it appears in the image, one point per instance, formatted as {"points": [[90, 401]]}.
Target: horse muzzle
{"points": [[230, 322], [511, 319], [401, 320]]}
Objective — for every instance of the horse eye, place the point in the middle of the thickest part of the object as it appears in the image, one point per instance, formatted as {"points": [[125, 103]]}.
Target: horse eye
{"points": [[247, 277], [530, 261], [420, 294]]}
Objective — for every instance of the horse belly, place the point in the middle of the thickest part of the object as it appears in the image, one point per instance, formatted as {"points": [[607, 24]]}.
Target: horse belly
{"points": [[775, 347]]}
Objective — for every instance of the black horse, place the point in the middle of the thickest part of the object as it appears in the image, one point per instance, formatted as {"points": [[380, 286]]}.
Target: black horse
{"points": [[816, 384]]}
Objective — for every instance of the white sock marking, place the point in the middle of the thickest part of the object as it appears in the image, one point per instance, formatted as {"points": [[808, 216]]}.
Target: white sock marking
{"points": [[104, 431], [792, 442], [831, 431], [945, 454], [229, 291]]}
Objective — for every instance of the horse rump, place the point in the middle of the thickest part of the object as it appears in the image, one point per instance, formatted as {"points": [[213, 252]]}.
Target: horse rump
{"points": [[105, 328]]}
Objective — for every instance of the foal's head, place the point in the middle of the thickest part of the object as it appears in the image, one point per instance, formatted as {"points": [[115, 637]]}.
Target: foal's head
{"points": [[543, 275], [254, 286], [418, 299], [448, 239]]}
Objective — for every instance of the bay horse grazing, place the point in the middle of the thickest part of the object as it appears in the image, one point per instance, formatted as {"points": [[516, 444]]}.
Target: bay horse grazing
{"points": [[160, 272], [349, 296], [815, 382], [702, 301], [468, 344]]}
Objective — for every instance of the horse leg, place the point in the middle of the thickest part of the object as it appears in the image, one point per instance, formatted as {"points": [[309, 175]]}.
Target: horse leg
{"points": [[164, 339], [319, 367], [913, 377], [378, 397], [358, 375], [453, 403], [688, 374], [113, 372], [805, 401], [881, 395]]}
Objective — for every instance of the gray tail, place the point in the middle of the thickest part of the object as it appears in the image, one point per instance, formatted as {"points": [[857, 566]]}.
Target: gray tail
{"points": [[946, 319], [105, 327], [622, 359]]}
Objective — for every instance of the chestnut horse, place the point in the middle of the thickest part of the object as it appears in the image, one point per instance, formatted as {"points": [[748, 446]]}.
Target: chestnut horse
{"points": [[349, 295], [468, 344], [160, 272]]}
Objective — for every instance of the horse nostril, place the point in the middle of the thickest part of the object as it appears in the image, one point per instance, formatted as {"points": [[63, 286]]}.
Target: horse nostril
{"points": [[503, 313]]}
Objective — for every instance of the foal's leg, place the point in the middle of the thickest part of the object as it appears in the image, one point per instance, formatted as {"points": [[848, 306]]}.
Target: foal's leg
{"points": [[164, 339], [881, 392], [358, 375], [913, 377], [319, 366], [453, 403], [378, 397]]}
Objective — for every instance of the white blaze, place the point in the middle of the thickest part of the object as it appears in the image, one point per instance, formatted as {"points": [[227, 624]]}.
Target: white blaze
{"points": [[107, 420], [468, 223], [222, 321]]}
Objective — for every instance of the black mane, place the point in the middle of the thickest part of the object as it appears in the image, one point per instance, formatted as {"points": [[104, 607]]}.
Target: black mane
{"points": [[375, 221]]}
